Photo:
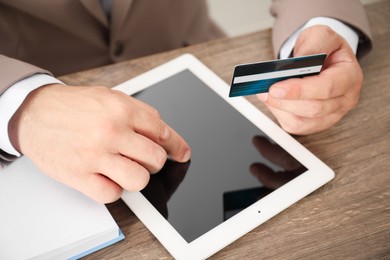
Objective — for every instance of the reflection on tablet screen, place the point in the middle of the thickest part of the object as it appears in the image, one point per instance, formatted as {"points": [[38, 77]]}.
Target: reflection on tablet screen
{"points": [[233, 163]]}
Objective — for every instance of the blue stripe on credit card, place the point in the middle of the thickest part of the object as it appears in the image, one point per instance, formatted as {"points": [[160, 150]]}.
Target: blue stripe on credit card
{"points": [[256, 78]]}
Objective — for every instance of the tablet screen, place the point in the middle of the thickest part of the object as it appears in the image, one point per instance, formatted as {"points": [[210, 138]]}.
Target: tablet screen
{"points": [[233, 164]]}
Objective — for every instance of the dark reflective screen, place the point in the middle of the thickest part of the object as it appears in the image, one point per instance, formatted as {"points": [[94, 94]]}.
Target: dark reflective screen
{"points": [[233, 164]]}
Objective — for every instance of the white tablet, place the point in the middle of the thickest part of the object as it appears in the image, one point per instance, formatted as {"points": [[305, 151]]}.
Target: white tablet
{"points": [[244, 168]]}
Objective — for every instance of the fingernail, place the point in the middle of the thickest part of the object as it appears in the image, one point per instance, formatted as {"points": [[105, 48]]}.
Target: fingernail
{"points": [[186, 156], [277, 92], [263, 97]]}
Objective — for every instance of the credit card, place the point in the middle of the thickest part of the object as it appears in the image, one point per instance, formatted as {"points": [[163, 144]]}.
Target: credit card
{"points": [[256, 78]]}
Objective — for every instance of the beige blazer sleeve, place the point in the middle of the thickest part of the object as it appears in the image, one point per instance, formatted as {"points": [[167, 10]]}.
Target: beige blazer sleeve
{"points": [[292, 14], [13, 70]]}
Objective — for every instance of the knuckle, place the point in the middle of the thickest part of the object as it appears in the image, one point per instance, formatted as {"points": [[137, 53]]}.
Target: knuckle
{"points": [[330, 89], [105, 129], [140, 182], [111, 124], [160, 157], [163, 132], [321, 29], [326, 30], [102, 89], [120, 108], [361, 75], [315, 109], [294, 125], [112, 194], [161, 161], [308, 31], [97, 90], [107, 193], [353, 95], [317, 30], [305, 33], [108, 125], [352, 102], [359, 78], [355, 102], [154, 112]]}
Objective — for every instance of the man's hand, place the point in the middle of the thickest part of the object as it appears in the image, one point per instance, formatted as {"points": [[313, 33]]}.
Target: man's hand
{"points": [[94, 139], [312, 104]]}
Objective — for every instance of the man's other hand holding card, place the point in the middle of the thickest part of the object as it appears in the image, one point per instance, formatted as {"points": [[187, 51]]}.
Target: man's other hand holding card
{"points": [[315, 103]]}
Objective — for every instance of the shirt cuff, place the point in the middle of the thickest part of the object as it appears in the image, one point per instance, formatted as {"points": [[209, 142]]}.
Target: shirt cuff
{"points": [[342, 29], [12, 99]]}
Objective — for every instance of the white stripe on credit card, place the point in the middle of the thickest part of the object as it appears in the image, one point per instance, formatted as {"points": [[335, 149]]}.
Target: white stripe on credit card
{"points": [[277, 74]]}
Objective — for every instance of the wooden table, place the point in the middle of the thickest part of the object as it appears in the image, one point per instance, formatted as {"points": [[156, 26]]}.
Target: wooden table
{"points": [[348, 217]]}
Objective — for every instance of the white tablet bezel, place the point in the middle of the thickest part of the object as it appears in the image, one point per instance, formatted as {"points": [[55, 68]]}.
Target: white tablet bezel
{"points": [[214, 240]]}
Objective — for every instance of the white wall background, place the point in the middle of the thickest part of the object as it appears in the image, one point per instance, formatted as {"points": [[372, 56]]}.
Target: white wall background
{"points": [[237, 17]]}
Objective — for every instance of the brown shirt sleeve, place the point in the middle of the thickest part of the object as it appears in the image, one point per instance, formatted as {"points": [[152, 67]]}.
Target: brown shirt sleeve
{"points": [[12, 70], [292, 14]]}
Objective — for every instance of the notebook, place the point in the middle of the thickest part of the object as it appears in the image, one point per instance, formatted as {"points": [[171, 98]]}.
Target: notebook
{"points": [[43, 219]]}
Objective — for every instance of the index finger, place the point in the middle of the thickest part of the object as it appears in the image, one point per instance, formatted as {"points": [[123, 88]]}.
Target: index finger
{"points": [[175, 145], [149, 123]]}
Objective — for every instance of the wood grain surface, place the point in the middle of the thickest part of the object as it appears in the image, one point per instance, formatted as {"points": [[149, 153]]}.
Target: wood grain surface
{"points": [[348, 218]]}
